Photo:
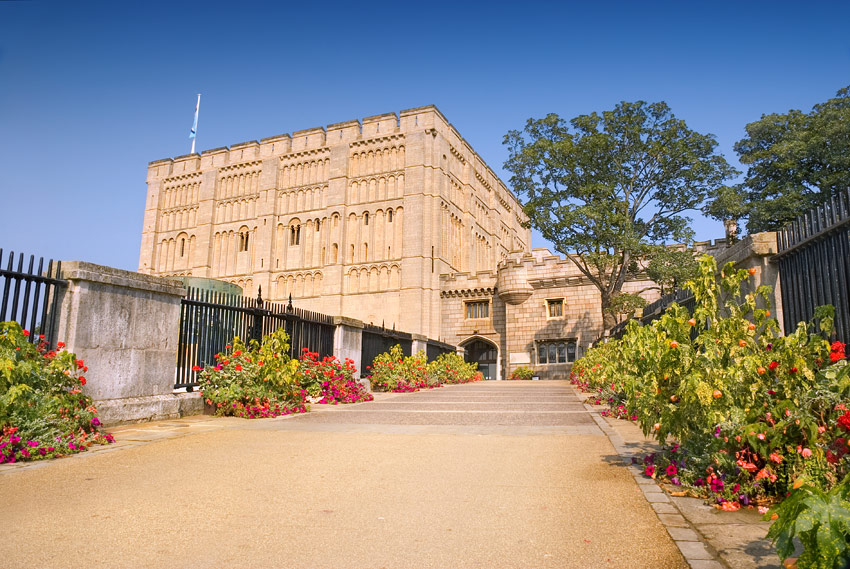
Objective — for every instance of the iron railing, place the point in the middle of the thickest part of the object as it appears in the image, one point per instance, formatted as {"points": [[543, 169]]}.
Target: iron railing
{"points": [[30, 296], [434, 349], [814, 264], [376, 340], [210, 320], [652, 311]]}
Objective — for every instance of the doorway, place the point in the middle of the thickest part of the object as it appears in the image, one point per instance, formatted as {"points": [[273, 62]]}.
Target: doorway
{"points": [[484, 354]]}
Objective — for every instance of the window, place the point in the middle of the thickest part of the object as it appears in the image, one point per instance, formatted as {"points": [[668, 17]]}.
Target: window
{"points": [[366, 218], [182, 247], [478, 309], [294, 234], [556, 352], [555, 307], [389, 216], [243, 241]]}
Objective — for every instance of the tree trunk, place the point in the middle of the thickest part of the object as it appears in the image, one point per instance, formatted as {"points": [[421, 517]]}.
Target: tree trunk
{"points": [[608, 319]]}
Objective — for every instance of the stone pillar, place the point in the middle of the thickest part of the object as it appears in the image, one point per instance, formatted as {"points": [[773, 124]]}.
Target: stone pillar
{"points": [[125, 326], [348, 341], [420, 342]]}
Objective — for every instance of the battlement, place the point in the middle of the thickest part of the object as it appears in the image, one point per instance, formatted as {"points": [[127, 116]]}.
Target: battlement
{"points": [[318, 140], [468, 284]]}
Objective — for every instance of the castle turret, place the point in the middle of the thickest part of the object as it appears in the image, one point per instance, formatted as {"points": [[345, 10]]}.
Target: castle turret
{"points": [[513, 283]]}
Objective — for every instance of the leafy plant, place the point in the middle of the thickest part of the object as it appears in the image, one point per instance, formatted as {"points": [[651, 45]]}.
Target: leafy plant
{"points": [[330, 381], [451, 368], [392, 371], [43, 410], [820, 520], [255, 380], [522, 373]]}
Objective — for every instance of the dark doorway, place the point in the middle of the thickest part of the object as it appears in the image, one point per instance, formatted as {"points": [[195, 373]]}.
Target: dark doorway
{"points": [[484, 354]]}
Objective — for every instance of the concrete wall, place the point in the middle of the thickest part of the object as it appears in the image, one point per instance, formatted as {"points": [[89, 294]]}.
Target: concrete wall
{"points": [[125, 326]]}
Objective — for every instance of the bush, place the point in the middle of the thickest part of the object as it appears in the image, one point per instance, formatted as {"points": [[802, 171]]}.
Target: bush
{"points": [[750, 411], [329, 380], [522, 373], [391, 371], [255, 380], [451, 368], [43, 412]]}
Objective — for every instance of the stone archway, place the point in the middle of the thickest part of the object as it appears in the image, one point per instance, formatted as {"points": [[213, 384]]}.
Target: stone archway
{"points": [[485, 354]]}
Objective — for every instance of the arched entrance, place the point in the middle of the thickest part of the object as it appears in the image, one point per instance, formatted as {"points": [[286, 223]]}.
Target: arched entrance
{"points": [[483, 353]]}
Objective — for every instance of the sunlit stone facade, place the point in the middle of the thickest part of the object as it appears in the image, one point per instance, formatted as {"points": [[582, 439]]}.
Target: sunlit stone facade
{"points": [[355, 219]]}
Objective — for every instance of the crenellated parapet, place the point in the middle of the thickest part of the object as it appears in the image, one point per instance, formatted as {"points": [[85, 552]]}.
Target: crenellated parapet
{"points": [[468, 285]]}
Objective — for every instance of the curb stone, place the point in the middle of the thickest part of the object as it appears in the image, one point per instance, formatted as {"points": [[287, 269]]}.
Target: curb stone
{"points": [[697, 552]]}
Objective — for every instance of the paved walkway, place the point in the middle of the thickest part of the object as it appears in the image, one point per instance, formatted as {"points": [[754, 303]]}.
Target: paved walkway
{"points": [[490, 475]]}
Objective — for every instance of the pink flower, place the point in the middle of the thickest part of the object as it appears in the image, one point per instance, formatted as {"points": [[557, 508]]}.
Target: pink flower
{"points": [[650, 471], [671, 470], [806, 453], [761, 436]]}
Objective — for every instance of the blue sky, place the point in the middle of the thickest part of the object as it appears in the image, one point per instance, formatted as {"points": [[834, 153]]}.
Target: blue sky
{"points": [[90, 92]]}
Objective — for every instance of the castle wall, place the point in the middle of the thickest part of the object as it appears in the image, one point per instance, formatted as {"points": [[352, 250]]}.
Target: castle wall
{"points": [[520, 321], [355, 219]]}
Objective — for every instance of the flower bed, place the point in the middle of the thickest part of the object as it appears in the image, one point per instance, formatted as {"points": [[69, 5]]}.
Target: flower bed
{"points": [[752, 413], [392, 371], [254, 381], [43, 412], [329, 381]]}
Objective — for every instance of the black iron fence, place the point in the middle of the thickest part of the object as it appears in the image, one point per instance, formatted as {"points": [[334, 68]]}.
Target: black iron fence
{"points": [[653, 311], [376, 340], [30, 295], [434, 349], [210, 320], [814, 264]]}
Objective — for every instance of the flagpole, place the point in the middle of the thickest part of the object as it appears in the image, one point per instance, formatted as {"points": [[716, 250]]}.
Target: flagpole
{"points": [[194, 131]]}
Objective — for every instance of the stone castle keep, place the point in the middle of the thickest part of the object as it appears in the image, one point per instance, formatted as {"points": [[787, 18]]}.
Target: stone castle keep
{"points": [[392, 220]]}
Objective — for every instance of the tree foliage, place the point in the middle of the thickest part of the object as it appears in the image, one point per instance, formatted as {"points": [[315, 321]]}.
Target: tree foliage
{"points": [[795, 161], [607, 189]]}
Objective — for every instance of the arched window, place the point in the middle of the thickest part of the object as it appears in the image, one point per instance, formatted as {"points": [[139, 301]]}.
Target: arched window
{"points": [[366, 218], [294, 234], [243, 241], [389, 216]]}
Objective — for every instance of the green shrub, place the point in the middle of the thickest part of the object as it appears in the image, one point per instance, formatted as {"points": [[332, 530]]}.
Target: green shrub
{"points": [[451, 368], [750, 410], [820, 520], [255, 380], [522, 373], [43, 411]]}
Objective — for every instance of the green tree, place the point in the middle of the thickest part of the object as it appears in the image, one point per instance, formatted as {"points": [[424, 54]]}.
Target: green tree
{"points": [[795, 161], [671, 268], [608, 189]]}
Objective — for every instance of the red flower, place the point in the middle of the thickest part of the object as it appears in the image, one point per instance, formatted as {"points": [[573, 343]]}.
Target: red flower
{"points": [[836, 351], [773, 365], [60, 345], [844, 421], [196, 368], [26, 333], [82, 380], [238, 367]]}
